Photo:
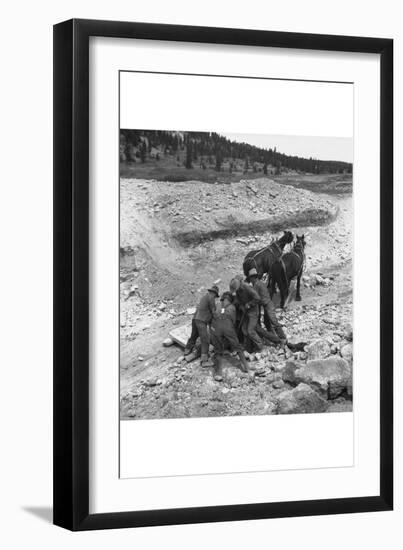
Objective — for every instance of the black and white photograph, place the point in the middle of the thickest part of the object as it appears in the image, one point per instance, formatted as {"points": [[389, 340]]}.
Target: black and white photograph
{"points": [[225, 340], [236, 273]]}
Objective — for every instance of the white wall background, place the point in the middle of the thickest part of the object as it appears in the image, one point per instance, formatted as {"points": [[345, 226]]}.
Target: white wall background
{"points": [[26, 280]]}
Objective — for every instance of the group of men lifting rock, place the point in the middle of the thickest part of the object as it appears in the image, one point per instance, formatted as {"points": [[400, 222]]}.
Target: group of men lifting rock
{"points": [[236, 319]]}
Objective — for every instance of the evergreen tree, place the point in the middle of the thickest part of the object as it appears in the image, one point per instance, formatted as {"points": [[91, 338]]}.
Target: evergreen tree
{"points": [[139, 144], [143, 151], [218, 160], [188, 162]]}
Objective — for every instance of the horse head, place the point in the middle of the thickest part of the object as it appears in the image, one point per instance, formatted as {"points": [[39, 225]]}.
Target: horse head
{"points": [[285, 238], [300, 243]]}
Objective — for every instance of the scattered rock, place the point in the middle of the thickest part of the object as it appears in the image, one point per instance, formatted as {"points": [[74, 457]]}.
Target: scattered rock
{"points": [[250, 186], [152, 382], [270, 408], [348, 332], [167, 342], [126, 251], [294, 342], [279, 367], [260, 371], [318, 349]]}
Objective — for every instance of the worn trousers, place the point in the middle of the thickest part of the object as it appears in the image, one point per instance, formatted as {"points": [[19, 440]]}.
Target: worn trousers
{"points": [[271, 321], [223, 333], [268, 334], [199, 330], [249, 327]]}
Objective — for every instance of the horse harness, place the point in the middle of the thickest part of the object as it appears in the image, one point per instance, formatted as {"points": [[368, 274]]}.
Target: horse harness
{"points": [[268, 248], [302, 258]]}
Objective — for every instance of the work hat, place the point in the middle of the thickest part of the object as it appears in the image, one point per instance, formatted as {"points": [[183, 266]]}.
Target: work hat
{"points": [[252, 272], [226, 296], [214, 289]]}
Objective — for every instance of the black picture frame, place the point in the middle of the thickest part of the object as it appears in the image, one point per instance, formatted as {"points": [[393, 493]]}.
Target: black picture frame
{"points": [[71, 274]]}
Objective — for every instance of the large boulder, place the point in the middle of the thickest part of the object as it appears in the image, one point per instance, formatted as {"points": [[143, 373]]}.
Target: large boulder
{"points": [[300, 400], [318, 349], [328, 377], [181, 335]]}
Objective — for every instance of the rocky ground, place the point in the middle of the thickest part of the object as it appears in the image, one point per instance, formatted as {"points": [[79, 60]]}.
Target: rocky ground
{"points": [[176, 240]]}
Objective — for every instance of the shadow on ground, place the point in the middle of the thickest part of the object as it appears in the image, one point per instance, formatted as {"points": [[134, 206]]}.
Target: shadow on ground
{"points": [[44, 513]]}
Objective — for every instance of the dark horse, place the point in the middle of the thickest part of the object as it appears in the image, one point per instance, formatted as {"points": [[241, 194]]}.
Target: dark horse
{"points": [[286, 268], [263, 259]]}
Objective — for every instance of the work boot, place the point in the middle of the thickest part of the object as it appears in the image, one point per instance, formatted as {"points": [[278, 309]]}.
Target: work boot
{"points": [[191, 357], [245, 367], [187, 351], [205, 361], [218, 369]]}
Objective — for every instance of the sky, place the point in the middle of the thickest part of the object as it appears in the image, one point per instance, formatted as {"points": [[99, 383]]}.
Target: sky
{"points": [[322, 148]]}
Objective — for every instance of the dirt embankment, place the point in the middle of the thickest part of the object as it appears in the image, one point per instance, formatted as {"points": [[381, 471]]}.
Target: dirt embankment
{"points": [[193, 212], [164, 274]]}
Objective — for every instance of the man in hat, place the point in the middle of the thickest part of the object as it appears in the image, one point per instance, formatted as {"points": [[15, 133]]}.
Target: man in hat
{"points": [[276, 334], [223, 333], [248, 301], [202, 318]]}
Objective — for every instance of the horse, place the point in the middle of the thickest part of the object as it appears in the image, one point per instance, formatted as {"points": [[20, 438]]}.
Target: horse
{"points": [[263, 259], [285, 268]]}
